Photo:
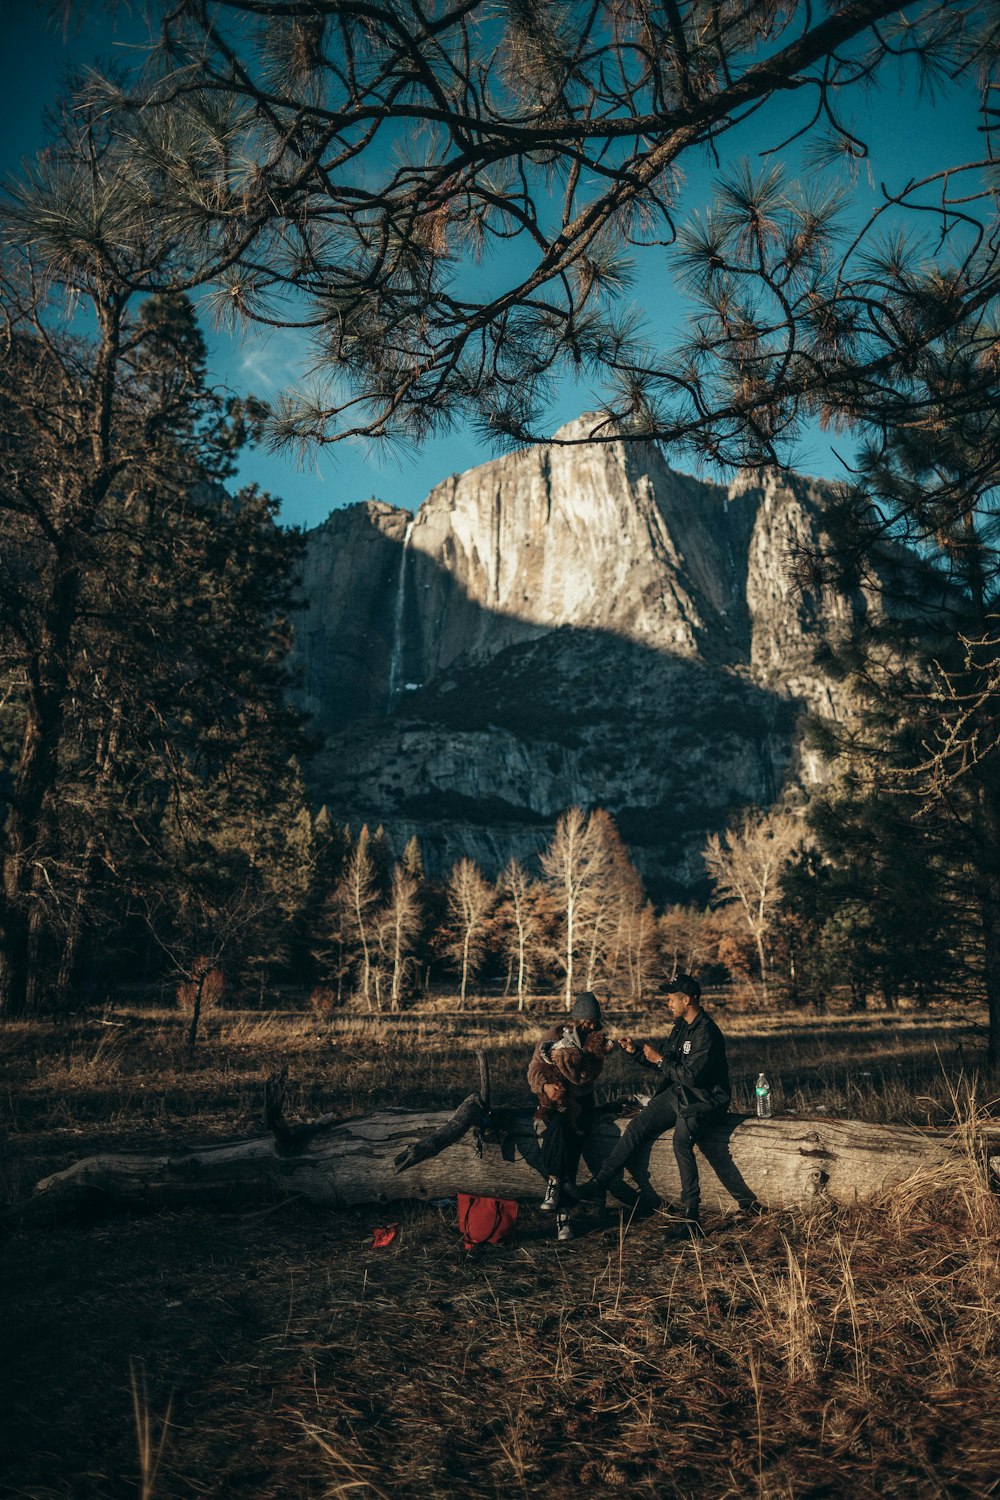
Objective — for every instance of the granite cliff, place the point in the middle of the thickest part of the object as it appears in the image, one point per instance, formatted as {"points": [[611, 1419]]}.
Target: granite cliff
{"points": [[567, 624]]}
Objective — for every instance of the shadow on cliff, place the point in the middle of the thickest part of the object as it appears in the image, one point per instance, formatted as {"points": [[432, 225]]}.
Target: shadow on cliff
{"points": [[474, 729]]}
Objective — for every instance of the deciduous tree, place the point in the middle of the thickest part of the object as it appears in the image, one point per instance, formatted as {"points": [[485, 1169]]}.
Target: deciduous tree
{"points": [[470, 899], [519, 922], [745, 865], [359, 899], [398, 929], [577, 865]]}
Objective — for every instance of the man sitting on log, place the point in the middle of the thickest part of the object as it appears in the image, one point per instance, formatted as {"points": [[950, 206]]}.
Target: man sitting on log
{"points": [[564, 1067], [692, 1090]]}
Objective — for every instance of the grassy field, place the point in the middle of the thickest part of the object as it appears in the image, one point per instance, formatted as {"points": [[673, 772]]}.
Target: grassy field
{"points": [[268, 1350]]}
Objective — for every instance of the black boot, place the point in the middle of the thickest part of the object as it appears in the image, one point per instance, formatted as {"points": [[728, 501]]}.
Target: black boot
{"points": [[594, 1192], [752, 1210], [685, 1229]]}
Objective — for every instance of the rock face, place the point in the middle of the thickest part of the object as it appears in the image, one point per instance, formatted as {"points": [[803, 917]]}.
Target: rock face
{"points": [[571, 624]]}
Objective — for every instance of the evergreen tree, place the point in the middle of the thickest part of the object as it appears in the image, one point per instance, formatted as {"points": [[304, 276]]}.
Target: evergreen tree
{"points": [[144, 616], [877, 899], [383, 861], [329, 847], [383, 148], [413, 860], [919, 532]]}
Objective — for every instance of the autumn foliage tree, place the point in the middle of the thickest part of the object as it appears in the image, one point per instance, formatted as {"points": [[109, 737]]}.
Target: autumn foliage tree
{"points": [[470, 900], [399, 926], [518, 918], [597, 894], [356, 905], [746, 864]]}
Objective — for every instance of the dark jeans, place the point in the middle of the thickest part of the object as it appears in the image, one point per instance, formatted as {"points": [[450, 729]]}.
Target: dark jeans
{"points": [[659, 1114], [560, 1144]]}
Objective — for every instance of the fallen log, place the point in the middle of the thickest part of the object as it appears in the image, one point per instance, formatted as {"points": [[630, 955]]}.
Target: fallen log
{"points": [[420, 1155]]}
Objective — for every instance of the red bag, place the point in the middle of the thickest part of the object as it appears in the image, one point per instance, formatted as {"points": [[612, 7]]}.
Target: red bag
{"points": [[486, 1221]]}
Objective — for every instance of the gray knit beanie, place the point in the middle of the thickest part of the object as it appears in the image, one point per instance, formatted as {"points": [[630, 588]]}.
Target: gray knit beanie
{"points": [[586, 1007]]}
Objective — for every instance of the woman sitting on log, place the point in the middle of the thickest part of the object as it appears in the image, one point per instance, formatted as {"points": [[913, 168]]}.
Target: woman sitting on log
{"points": [[564, 1068]]}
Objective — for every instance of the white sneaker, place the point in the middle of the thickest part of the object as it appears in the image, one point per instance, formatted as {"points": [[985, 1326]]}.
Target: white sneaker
{"points": [[550, 1202], [564, 1228]]}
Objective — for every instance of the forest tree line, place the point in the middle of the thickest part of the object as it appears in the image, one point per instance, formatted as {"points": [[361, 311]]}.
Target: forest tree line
{"points": [[804, 908]]}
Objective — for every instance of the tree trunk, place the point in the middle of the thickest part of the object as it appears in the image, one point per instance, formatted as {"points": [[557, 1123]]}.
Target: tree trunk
{"points": [[33, 781], [990, 912], [986, 798], [762, 959], [401, 1154], [85, 882], [366, 983], [69, 955], [522, 946], [465, 968], [13, 960], [989, 916], [592, 955], [196, 1010], [38, 932], [366, 971], [570, 940]]}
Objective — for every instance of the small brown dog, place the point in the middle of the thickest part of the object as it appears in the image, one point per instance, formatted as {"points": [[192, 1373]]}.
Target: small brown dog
{"points": [[572, 1061]]}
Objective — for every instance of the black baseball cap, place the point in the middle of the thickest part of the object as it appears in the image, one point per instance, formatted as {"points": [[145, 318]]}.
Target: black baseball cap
{"points": [[681, 984]]}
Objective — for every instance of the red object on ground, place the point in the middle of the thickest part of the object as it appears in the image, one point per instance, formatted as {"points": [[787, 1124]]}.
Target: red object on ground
{"points": [[486, 1221], [384, 1235]]}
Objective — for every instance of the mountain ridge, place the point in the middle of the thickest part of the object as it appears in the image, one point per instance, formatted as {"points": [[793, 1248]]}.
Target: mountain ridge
{"points": [[567, 624]]}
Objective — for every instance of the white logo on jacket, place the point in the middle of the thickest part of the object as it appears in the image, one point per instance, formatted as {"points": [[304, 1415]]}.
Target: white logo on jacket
{"points": [[686, 1048]]}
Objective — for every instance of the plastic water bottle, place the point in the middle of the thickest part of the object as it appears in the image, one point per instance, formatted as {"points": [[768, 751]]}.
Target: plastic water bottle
{"points": [[763, 1098]]}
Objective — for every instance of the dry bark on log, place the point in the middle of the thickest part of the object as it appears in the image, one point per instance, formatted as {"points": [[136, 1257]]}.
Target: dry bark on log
{"points": [[405, 1154]]}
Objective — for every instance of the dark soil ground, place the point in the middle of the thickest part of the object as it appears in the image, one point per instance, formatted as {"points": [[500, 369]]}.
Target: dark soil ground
{"points": [[268, 1350]]}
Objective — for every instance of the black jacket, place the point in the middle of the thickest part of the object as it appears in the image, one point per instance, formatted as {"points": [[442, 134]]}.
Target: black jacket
{"points": [[694, 1065]]}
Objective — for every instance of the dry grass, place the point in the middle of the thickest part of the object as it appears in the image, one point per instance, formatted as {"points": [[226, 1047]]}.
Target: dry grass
{"points": [[275, 1353]]}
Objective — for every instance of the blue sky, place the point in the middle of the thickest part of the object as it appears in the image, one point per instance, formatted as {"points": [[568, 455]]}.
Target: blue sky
{"points": [[909, 134]]}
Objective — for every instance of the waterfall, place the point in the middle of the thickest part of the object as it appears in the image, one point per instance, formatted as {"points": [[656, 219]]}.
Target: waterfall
{"points": [[396, 658]]}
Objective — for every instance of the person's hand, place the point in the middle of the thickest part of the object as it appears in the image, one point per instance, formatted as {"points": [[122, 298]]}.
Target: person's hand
{"points": [[651, 1055], [626, 1044], [555, 1092]]}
